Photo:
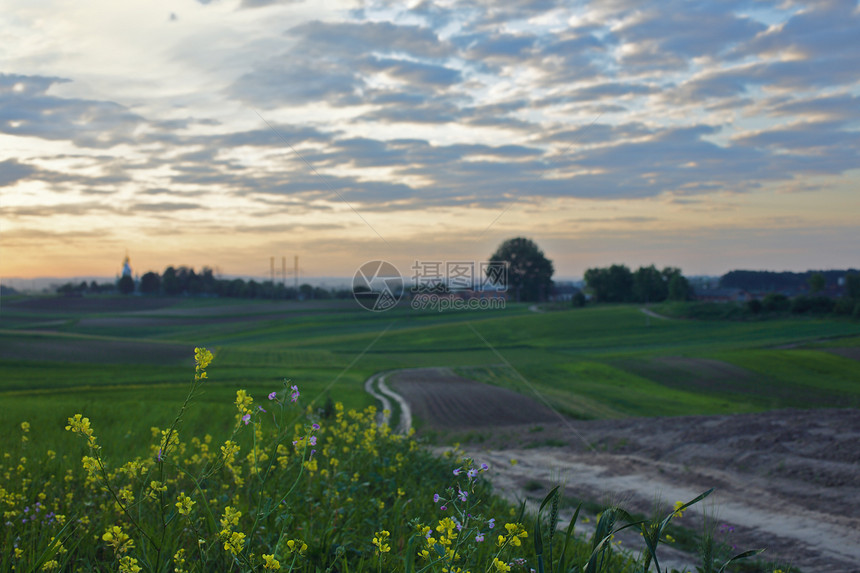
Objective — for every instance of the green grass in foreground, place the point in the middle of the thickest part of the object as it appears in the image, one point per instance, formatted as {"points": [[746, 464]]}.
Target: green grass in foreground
{"points": [[280, 487]]}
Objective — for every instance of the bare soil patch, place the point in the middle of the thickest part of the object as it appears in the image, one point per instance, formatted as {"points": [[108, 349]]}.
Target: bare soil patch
{"points": [[92, 304], [785, 480], [692, 373], [852, 352], [84, 349], [443, 400]]}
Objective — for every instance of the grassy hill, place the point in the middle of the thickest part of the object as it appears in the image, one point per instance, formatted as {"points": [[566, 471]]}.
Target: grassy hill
{"points": [[58, 355]]}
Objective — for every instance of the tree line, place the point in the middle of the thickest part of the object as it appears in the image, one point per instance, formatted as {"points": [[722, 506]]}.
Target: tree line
{"points": [[617, 283], [185, 281], [769, 281]]}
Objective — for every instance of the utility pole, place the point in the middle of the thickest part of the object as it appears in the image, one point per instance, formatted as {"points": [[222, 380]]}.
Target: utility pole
{"points": [[296, 273], [284, 271]]}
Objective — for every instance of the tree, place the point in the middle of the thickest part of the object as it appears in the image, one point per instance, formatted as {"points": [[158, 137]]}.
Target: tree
{"points": [[125, 284], [817, 282], [529, 272], [150, 283], [613, 284], [170, 282], [679, 287], [852, 286], [649, 285], [775, 302]]}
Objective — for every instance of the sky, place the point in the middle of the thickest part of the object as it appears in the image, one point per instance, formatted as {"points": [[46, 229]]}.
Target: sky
{"points": [[710, 135]]}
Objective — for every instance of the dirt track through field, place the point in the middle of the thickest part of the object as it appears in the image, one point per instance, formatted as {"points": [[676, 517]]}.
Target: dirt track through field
{"points": [[786, 480]]}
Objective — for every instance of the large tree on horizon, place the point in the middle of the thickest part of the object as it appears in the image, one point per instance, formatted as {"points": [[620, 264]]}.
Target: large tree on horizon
{"points": [[529, 274]]}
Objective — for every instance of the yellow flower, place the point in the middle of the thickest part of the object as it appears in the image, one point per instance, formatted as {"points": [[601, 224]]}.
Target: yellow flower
{"points": [[678, 511], [243, 402], [128, 565], [81, 425], [184, 504], [118, 539], [229, 451], [381, 542], [297, 545], [50, 565], [236, 543], [91, 465], [500, 565], [202, 358], [179, 561], [231, 517], [271, 562]]}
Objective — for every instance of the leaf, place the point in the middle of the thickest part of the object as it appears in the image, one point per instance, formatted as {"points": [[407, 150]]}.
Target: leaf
{"points": [[560, 567], [739, 556]]}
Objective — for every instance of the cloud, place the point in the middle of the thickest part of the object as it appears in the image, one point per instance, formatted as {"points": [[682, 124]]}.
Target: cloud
{"points": [[26, 109], [669, 34], [263, 3], [163, 206], [463, 105], [11, 171], [416, 73], [326, 60], [62, 209]]}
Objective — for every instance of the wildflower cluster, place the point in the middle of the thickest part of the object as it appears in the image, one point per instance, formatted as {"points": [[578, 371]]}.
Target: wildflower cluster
{"points": [[287, 488]]}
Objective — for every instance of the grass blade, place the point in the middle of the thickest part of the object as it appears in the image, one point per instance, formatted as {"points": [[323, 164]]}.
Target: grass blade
{"points": [[740, 556], [560, 567]]}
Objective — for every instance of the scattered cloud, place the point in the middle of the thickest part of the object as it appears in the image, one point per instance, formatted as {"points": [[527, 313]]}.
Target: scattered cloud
{"points": [[466, 105]]}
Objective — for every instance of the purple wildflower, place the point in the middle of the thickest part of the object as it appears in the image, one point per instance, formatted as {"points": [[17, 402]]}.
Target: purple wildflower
{"points": [[479, 538], [492, 523], [435, 498], [484, 467], [315, 426], [246, 418], [457, 471], [472, 473], [273, 395], [294, 396], [313, 441]]}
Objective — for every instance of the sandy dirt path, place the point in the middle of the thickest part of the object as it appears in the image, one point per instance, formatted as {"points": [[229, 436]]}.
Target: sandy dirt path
{"points": [[785, 480]]}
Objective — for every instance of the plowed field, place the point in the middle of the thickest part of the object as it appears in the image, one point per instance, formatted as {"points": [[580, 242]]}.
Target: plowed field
{"points": [[442, 400]]}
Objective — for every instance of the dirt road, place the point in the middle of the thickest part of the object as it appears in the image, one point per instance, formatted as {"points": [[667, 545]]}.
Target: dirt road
{"points": [[786, 480]]}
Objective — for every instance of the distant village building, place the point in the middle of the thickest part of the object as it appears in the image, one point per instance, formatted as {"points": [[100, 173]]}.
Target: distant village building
{"points": [[134, 286], [563, 292], [126, 266]]}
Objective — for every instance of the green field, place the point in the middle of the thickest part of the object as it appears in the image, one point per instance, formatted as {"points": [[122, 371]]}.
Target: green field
{"points": [[126, 364], [127, 360]]}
